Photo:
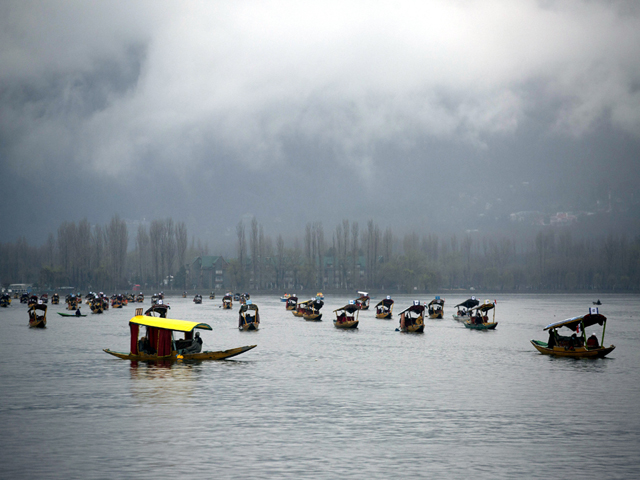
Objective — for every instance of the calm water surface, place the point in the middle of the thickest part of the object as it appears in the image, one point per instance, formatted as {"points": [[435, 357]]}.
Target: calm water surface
{"points": [[312, 401]]}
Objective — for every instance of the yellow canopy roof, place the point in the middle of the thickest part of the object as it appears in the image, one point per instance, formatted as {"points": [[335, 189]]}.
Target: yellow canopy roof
{"points": [[168, 323]]}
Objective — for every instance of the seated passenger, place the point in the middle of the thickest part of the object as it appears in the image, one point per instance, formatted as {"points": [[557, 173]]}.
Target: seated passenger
{"points": [[592, 341], [552, 339]]}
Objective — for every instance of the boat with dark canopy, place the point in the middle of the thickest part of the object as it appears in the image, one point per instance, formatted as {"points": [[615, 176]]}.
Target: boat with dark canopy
{"points": [[412, 318], [291, 302], [158, 342], [462, 314], [384, 308], [312, 312], [576, 345], [347, 316], [479, 317], [38, 315], [248, 317], [435, 308]]}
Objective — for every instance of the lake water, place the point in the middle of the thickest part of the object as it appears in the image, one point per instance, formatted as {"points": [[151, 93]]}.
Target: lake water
{"points": [[312, 401]]}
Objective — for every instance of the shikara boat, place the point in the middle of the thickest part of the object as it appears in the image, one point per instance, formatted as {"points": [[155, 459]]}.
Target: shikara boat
{"points": [[184, 294], [158, 343], [412, 318], [320, 295], [577, 345], [363, 301], [197, 299], [38, 315], [244, 298], [65, 314], [140, 298], [312, 312], [435, 309], [5, 300], [97, 305], [347, 316], [479, 318], [285, 297], [24, 298], [212, 296], [117, 301], [72, 302], [227, 302], [301, 308], [462, 313], [55, 299], [292, 301], [384, 308], [33, 300], [248, 317], [44, 298], [158, 310]]}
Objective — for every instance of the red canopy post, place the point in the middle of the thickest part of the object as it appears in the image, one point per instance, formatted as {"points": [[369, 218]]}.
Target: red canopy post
{"points": [[134, 327]]}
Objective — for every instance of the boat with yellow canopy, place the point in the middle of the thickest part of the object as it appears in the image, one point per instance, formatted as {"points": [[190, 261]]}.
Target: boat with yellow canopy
{"points": [[227, 302], [158, 342], [577, 345], [301, 308]]}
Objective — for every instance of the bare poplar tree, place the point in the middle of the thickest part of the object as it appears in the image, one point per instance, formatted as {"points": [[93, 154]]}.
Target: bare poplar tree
{"points": [[155, 235], [253, 244], [181, 242]]}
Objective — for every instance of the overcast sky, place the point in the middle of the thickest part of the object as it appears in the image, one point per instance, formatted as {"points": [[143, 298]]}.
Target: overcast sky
{"points": [[406, 112]]}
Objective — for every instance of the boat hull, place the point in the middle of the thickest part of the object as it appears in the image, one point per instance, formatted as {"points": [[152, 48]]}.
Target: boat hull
{"points": [[347, 324], [248, 327], [62, 314], [413, 329], [435, 315], [174, 357], [314, 317], [481, 326], [38, 323], [384, 316], [574, 352]]}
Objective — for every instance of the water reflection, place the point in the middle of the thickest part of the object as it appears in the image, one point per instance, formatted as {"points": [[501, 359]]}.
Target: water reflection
{"points": [[163, 380]]}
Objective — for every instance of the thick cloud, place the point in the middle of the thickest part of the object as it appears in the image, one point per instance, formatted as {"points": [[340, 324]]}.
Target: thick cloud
{"points": [[208, 91]]}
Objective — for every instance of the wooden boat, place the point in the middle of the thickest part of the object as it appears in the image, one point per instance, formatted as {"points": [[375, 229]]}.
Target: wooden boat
{"points": [[347, 316], [212, 296], [577, 345], [64, 314], [227, 303], [38, 315], [197, 299], [320, 295], [97, 305], [184, 294], [158, 310], [412, 318], [462, 314], [479, 318], [33, 300], [24, 298], [435, 309], [55, 299], [117, 301], [292, 302], [158, 343], [248, 317], [72, 302], [5, 300], [244, 298], [384, 308], [44, 298], [140, 298], [312, 312], [301, 308], [363, 301]]}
